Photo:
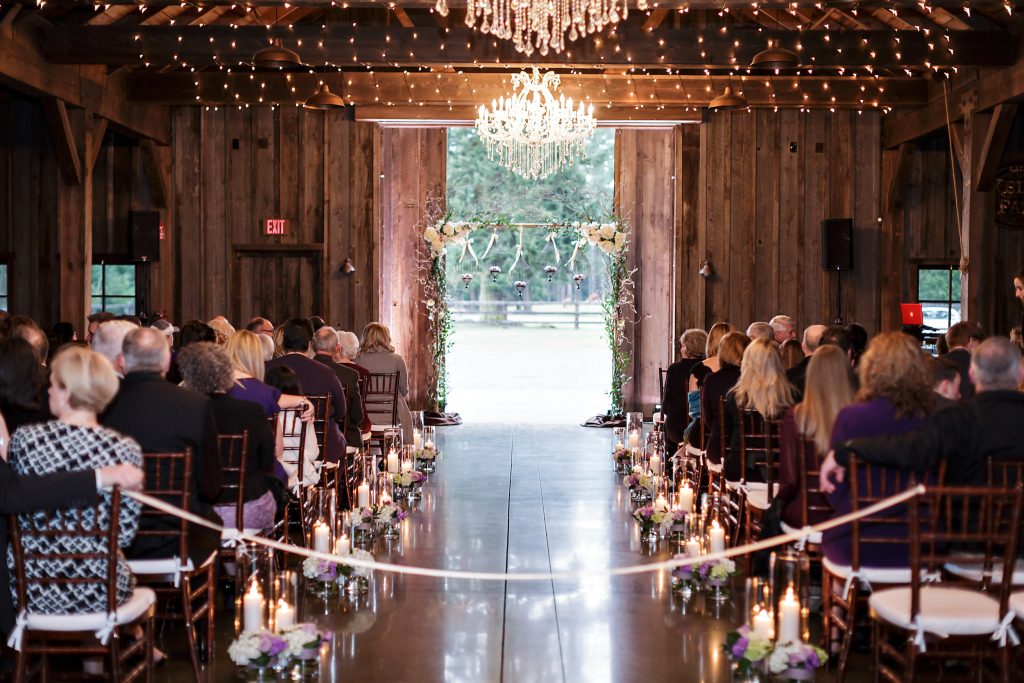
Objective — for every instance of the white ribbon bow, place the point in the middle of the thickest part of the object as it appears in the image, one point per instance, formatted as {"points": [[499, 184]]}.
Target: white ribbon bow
{"points": [[14, 641], [108, 629], [1006, 630], [805, 536]]}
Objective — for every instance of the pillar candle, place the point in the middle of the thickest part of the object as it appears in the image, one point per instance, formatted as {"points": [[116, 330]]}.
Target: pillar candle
{"points": [[655, 464], [321, 538], [660, 502], [343, 546], [392, 462], [428, 445], [789, 618], [284, 615], [634, 439], [717, 537], [416, 439], [762, 628], [252, 609], [693, 547], [686, 498], [363, 495], [407, 466]]}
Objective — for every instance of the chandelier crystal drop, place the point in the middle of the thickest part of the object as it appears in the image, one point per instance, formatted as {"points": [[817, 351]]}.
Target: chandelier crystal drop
{"points": [[530, 132], [542, 24]]}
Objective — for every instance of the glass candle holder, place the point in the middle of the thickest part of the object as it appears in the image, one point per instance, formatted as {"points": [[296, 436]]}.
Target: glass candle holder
{"points": [[790, 594], [429, 438], [323, 507], [618, 438], [392, 439], [254, 577], [286, 590]]}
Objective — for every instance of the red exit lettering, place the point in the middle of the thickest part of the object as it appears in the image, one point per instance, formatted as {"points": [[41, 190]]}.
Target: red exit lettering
{"points": [[276, 226]]}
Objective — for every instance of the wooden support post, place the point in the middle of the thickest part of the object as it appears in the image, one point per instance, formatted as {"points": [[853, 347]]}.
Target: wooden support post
{"points": [[991, 153], [897, 188], [974, 215], [157, 176], [68, 156], [893, 256]]}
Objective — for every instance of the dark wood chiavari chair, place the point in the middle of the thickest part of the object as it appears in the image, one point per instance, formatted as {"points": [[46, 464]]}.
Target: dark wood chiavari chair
{"points": [[234, 455], [760, 443], [178, 583], [843, 587], [731, 495], [382, 399], [958, 619], [290, 425], [61, 635]]}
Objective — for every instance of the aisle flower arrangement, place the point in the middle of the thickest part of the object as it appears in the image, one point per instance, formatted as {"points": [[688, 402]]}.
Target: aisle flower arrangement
{"points": [[389, 514], [796, 660], [257, 649], [622, 459], [715, 572], [408, 479], [352, 572], [673, 521], [746, 649], [650, 517], [303, 641], [322, 571], [640, 484]]}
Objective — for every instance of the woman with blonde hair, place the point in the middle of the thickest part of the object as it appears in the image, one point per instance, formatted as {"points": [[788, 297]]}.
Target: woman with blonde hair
{"points": [[762, 388], [716, 386], [245, 351], [377, 354], [828, 389], [698, 373]]}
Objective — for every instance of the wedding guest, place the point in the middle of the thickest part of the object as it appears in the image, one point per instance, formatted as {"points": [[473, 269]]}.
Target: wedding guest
{"points": [[698, 373], [828, 390], [60, 334], [267, 343], [991, 424], [962, 339], [109, 340], [207, 370], [95, 320], [717, 385], [894, 396], [762, 387], [1018, 294], [760, 330], [317, 322], [783, 328], [377, 354], [82, 384], [325, 347], [792, 354], [165, 328], [348, 349], [222, 328], [674, 406], [21, 385], [245, 351], [858, 336], [191, 332], [945, 382], [27, 329], [810, 342], [260, 326], [164, 418], [289, 428]]}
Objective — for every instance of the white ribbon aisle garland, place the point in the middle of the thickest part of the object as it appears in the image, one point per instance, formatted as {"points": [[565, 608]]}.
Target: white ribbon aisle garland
{"points": [[234, 535]]}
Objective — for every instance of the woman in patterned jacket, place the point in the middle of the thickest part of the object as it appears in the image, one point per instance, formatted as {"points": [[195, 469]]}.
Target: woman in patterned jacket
{"points": [[82, 383]]}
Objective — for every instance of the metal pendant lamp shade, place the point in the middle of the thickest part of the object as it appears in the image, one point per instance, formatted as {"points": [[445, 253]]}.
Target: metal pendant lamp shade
{"points": [[727, 101], [324, 99], [775, 57], [276, 56]]}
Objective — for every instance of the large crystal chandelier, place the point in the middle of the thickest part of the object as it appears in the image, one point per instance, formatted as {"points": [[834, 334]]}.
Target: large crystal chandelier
{"points": [[542, 24], [530, 132]]}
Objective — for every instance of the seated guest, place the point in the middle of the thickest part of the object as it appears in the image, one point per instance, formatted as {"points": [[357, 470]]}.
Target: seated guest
{"points": [[316, 380], [945, 382], [717, 385], [245, 351], [858, 336], [82, 383], [989, 425], [962, 339], [95, 320], [27, 329], [207, 370], [710, 363], [783, 329], [895, 395], [260, 326], [827, 391], [377, 354], [325, 347], [811, 339], [109, 340], [21, 384], [792, 354], [167, 329], [289, 428], [760, 330], [164, 418], [317, 322], [762, 388], [348, 349], [191, 332], [674, 405], [268, 347], [222, 328], [60, 334]]}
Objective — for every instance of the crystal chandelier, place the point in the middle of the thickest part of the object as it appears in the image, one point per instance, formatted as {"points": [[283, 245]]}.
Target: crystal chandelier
{"points": [[530, 132], [542, 24]]}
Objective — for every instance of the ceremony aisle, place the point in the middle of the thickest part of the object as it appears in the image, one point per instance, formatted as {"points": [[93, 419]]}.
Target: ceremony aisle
{"points": [[516, 499]]}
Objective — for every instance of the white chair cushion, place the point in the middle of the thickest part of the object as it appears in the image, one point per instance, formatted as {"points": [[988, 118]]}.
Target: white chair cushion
{"points": [[944, 611], [351, 450], [134, 607], [814, 538], [690, 450], [973, 572], [715, 467], [876, 575], [165, 566], [757, 494]]}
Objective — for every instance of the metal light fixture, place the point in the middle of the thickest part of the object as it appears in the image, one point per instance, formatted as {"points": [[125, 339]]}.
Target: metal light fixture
{"points": [[277, 56], [324, 99], [707, 271], [728, 101], [775, 57], [347, 267]]}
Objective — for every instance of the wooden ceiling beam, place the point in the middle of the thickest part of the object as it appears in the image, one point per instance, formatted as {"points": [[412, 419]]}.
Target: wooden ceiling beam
{"points": [[945, 19], [655, 18], [165, 16], [629, 46], [686, 5], [993, 145], [65, 147], [112, 14], [210, 16], [403, 17]]}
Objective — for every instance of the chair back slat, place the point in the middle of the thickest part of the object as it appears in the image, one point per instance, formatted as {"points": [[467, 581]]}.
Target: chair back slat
{"points": [[661, 384], [813, 504], [168, 477], [31, 530], [382, 395], [291, 426], [234, 454], [1005, 473], [321, 422]]}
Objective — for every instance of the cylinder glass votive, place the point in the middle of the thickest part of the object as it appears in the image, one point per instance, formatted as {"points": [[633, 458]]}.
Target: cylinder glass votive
{"points": [[392, 439], [254, 576], [790, 594], [286, 595], [323, 502], [429, 437], [634, 430]]}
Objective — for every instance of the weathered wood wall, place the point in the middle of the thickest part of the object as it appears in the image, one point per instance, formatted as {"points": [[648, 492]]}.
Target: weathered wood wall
{"points": [[413, 165], [233, 169]]}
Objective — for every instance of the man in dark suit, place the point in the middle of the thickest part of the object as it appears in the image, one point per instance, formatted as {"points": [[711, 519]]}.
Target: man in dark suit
{"points": [[797, 375], [315, 380], [64, 489], [325, 345], [962, 339], [165, 418]]}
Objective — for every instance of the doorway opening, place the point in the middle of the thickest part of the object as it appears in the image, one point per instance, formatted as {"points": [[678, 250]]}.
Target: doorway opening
{"points": [[537, 352]]}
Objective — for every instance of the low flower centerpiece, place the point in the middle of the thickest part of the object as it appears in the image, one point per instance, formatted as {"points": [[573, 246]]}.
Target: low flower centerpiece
{"points": [[715, 574], [425, 458], [407, 484], [258, 651], [622, 459], [796, 661], [321, 573], [640, 485], [364, 524], [673, 521], [650, 518], [357, 579], [303, 648], [388, 516], [748, 650]]}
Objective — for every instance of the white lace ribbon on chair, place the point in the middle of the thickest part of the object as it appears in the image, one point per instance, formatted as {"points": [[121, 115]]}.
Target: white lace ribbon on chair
{"points": [[1006, 630], [108, 629], [919, 633], [14, 641], [805, 536]]}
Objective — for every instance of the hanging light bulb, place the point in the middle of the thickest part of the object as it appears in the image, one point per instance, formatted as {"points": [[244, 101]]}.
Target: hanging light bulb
{"points": [[578, 279]]}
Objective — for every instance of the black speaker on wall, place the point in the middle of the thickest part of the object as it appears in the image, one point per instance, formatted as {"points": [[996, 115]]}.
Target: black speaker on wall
{"points": [[145, 235], [837, 243]]}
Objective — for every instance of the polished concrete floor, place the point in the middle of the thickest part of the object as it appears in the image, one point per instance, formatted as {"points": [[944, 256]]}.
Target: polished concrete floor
{"points": [[516, 498]]}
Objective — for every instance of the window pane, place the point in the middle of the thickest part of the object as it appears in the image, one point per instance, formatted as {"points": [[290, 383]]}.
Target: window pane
{"points": [[3, 283], [119, 305], [97, 280], [97, 304], [955, 317], [936, 316], [120, 280], [933, 284], [956, 287], [3, 303]]}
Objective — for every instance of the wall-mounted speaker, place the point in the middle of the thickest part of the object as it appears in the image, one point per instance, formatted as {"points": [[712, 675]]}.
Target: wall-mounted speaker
{"points": [[145, 235], [837, 243]]}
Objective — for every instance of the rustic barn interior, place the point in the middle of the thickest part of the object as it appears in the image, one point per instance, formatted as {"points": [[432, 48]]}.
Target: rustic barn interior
{"points": [[141, 132]]}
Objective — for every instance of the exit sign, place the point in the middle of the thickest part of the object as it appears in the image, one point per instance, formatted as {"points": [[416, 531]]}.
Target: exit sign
{"points": [[275, 226]]}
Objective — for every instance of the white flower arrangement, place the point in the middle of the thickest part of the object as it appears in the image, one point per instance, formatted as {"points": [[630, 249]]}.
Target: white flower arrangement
{"points": [[722, 569], [300, 638], [389, 513], [426, 453], [407, 479], [319, 570], [671, 518], [795, 656], [608, 237], [256, 648], [446, 232], [357, 572]]}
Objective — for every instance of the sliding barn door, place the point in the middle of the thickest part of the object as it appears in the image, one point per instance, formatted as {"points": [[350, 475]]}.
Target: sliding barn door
{"points": [[278, 282]]}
